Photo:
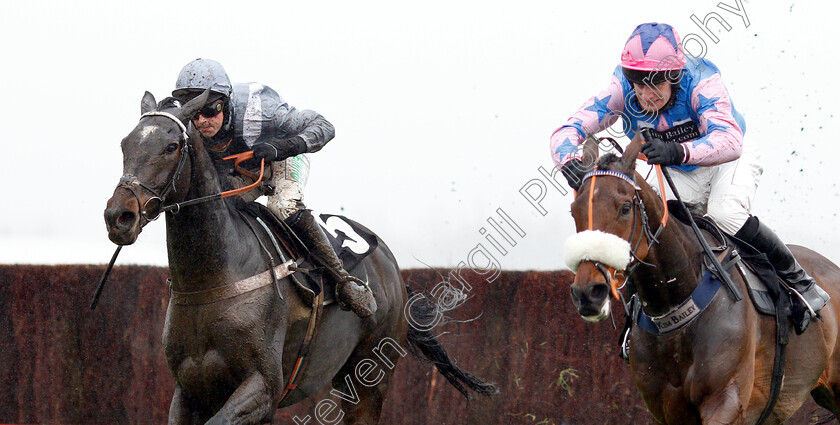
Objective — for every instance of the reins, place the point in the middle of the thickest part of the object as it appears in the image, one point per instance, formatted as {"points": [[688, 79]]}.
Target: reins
{"points": [[175, 208], [132, 183], [721, 272], [661, 176]]}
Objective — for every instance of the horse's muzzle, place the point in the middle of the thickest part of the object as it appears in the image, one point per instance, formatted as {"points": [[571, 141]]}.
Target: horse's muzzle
{"points": [[122, 218], [592, 301]]}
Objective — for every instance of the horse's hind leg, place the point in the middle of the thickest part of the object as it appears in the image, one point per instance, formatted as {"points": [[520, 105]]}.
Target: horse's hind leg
{"points": [[364, 379], [361, 405]]}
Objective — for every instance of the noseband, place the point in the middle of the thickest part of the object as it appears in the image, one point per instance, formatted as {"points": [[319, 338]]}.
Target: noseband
{"points": [[132, 183]]}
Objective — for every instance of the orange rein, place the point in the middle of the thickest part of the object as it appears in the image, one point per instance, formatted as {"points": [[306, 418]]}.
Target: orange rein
{"points": [[238, 158], [661, 181], [613, 281]]}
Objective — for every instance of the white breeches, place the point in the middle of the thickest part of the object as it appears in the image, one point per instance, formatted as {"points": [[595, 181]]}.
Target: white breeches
{"points": [[288, 178]]}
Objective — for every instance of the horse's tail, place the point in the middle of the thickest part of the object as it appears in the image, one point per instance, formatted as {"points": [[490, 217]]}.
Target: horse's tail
{"points": [[423, 311]]}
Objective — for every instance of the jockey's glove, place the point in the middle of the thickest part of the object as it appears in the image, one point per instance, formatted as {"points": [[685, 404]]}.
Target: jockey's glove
{"points": [[659, 152], [574, 171], [278, 150]]}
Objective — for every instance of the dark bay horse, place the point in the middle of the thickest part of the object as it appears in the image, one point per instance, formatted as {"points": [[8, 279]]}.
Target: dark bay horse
{"points": [[231, 358], [717, 368]]}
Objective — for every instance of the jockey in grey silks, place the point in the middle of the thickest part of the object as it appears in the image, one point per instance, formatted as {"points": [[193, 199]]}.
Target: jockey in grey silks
{"points": [[252, 116]]}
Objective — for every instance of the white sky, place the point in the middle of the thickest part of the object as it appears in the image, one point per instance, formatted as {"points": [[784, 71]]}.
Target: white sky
{"points": [[443, 110]]}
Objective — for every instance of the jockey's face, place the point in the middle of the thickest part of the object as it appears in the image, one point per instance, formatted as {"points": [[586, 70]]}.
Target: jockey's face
{"points": [[652, 97], [209, 126]]}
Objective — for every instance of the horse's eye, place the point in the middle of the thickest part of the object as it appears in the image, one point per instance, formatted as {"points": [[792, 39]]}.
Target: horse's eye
{"points": [[172, 147], [625, 208]]}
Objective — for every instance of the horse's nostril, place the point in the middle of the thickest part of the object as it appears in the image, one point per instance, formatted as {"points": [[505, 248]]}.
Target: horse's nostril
{"points": [[126, 219], [576, 293], [599, 292]]}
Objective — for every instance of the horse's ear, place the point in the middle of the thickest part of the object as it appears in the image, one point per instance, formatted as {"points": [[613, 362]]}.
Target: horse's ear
{"points": [[628, 160], [590, 152], [148, 103], [190, 108]]}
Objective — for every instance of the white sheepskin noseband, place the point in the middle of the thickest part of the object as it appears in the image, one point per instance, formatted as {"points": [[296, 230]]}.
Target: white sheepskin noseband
{"points": [[595, 245]]}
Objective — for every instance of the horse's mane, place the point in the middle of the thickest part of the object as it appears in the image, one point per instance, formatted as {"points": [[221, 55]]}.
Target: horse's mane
{"points": [[607, 162]]}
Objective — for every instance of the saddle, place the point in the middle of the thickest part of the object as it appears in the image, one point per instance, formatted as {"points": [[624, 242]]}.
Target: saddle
{"points": [[309, 281], [763, 284]]}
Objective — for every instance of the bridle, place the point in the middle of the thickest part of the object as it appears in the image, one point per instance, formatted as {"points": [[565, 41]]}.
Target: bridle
{"points": [[639, 214], [132, 183]]}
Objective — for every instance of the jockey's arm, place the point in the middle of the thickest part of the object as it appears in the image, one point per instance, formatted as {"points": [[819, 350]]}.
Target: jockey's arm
{"points": [[596, 114], [295, 133], [722, 133], [306, 125]]}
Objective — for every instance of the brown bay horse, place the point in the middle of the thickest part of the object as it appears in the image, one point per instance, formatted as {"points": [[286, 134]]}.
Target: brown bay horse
{"points": [[716, 369], [232, 356]]}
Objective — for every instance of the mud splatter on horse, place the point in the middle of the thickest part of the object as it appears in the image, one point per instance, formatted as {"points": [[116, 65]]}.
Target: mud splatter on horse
{"points": [[233, 347]]}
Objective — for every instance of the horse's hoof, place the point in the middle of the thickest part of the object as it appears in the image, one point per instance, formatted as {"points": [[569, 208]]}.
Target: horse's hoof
{"points": [[353, 295]]}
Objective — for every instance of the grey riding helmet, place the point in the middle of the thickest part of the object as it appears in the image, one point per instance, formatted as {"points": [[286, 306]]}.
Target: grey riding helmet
{"points": [[200, 75]]}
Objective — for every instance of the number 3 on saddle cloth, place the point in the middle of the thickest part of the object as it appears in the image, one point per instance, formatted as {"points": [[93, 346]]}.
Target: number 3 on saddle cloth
{"points": [[350, 240]]}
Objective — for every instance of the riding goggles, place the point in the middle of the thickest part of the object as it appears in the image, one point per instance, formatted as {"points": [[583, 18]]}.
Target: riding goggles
{"points": [[210, 110]]}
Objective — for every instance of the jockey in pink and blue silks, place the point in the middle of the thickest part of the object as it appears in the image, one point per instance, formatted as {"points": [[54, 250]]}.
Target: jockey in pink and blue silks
{"points": [[696, 131]]}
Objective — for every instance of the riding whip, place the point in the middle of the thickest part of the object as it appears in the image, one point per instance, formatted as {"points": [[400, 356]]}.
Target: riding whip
{"points": [[724, 276], [104, 278]]}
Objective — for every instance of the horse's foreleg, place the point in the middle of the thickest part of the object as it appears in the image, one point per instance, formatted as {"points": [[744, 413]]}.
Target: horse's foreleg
{"points": [[723, 408], [180, 410], [251, 403], [826, 399]]}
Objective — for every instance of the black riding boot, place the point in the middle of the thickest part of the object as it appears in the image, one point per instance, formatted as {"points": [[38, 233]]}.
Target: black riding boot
{"points": [[810, 298], [352, 293]]}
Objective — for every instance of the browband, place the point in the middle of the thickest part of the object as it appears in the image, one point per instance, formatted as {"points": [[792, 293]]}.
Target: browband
{"points": [[611, 173]]}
